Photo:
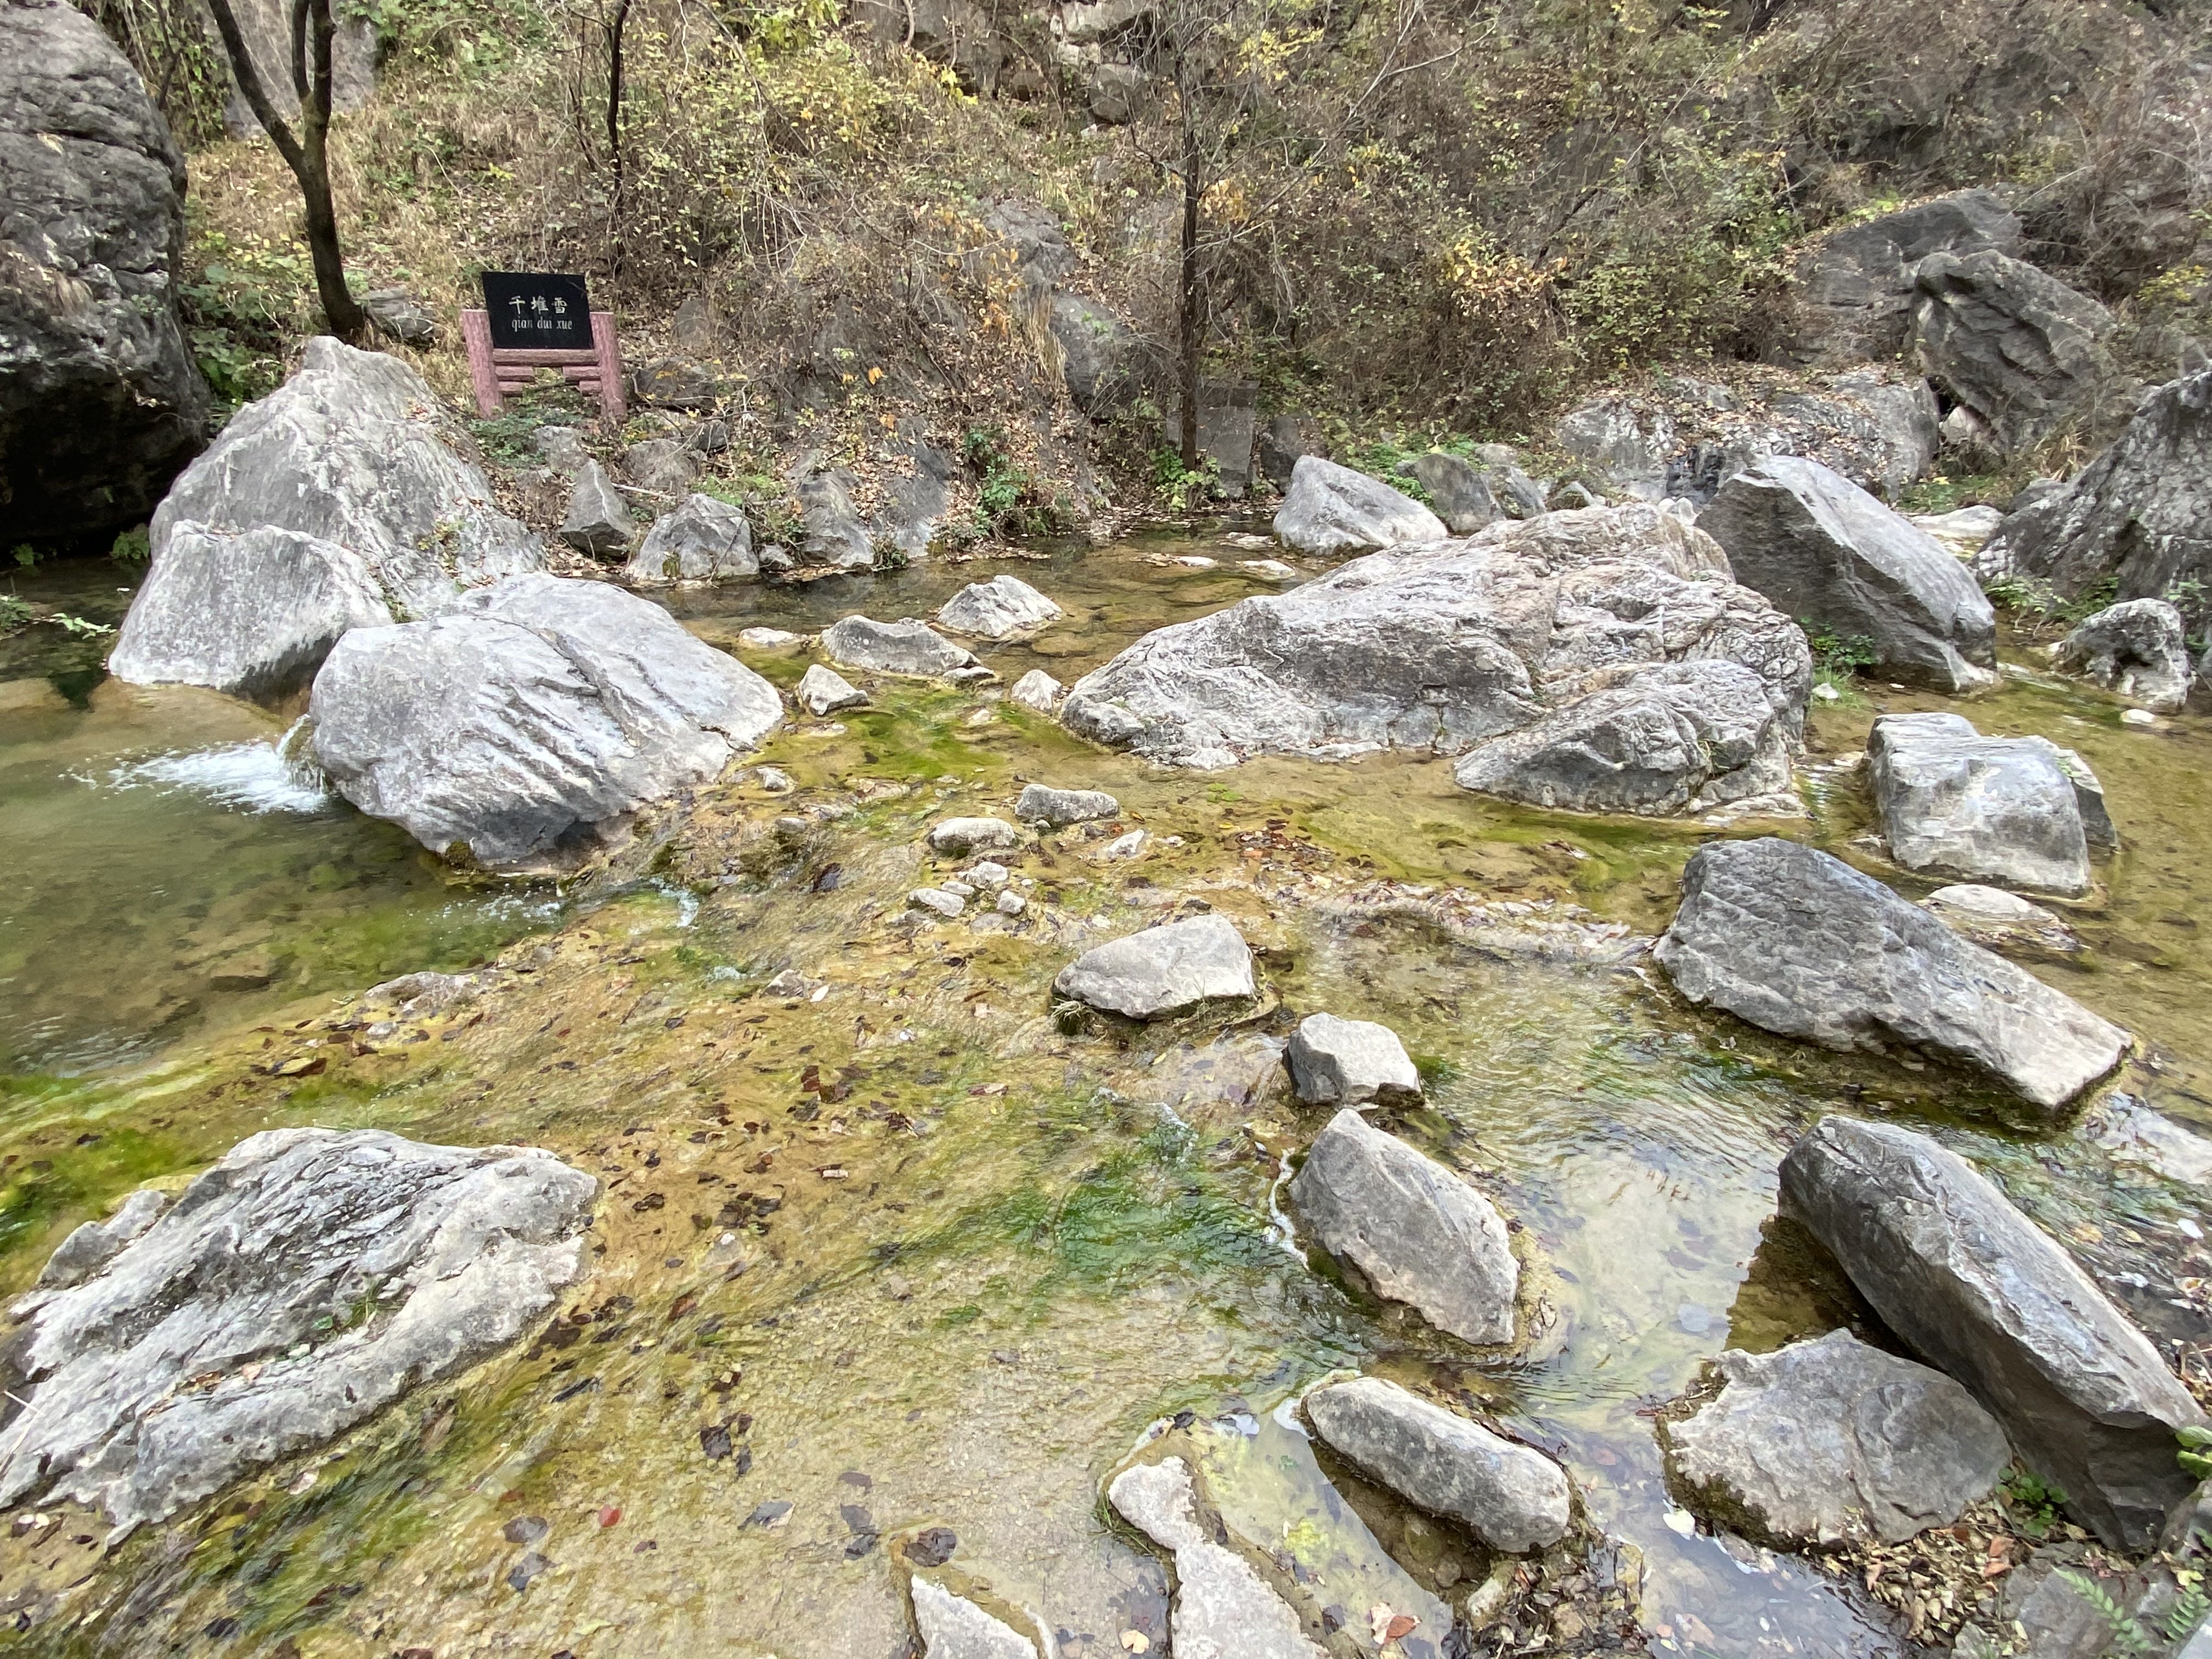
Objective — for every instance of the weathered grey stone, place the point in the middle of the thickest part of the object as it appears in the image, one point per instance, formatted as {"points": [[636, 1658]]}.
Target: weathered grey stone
{"points": [[1963, 532], [953, 1627], [1830, 1441], [251, 614], [945, 904], [1519, 495], [703, 540], [532, 723], [1831, 555], [2140, 513], [678, 383], [1331, 510], [1415, 1232], [1350, 1062], [824, 691], [1854, 287], [1792, 940], [1956, 803], [665, 466], [301, 1284], [959, 837], [562, 447], [1458, 490], [1443, 647], [1163, 971], [1228, 425], [93, 1245], [1281, 441], [100, 401], [2137, 649], [914, 500], [1990, 916], [398, 315], [597, 523], [836, 535], [2089, 794], [1037, 691], [2133, 1133], [1977, 1290], [352, 449], [1685, 737], [1223, 1608], [1510, 1495], [1059, 808], [1001, 609], [2018, 352], [266, 26], [905, 647], [1101, 358]]}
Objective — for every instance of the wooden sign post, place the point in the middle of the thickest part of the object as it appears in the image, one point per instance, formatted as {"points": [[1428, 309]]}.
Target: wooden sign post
{"points": [[541, 320]]}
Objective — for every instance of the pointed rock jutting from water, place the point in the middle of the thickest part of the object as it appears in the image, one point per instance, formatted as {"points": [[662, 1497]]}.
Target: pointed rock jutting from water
{"points": [[1954, 803], [1414, 1231], [1004, 608], [1797, 941], [906, 646], [1351, 1062], [1978, 1291]]}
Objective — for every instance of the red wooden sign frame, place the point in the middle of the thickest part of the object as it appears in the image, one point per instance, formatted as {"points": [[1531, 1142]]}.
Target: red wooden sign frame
{"points": [[497, 371]]}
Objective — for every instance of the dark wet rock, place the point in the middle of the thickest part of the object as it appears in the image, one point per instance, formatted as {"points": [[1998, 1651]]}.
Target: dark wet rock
{"points": [[1854, 287], [1222, 1605], [703, 540], [525, 1529], [1331, 510], [1058, 808], [2017, 352], [1102, 358], [835, 534], [1831, 555], [1282, 441], [663, 466], [100, 401], [597, 523], [1446, 647], [252, 614], [1831, 1440], [303, 1283], [2136, 649], [905, 647], [914, 502], [2140, 513], [959, 837], [532, 724], [1415, 1232], [1956, 803], [398, 315], [824, 691], [1163, 971], [1458, 489], [1350, 1062], [1004, 608], [678, 383], [1977, 1290], [953, 1627], [1510, 1495], [1798, 942]]}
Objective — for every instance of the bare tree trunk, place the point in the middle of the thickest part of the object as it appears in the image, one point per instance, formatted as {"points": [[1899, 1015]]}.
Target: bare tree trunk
{"points": [[1193, 320], [307, 153], [615, 27]]}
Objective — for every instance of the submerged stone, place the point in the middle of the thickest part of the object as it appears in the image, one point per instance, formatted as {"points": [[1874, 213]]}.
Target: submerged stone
{"points": [[1222, 1606], [953, 1627]]}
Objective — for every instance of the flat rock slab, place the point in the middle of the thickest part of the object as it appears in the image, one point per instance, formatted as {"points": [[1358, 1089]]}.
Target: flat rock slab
{"points": [[1163, 971], [1799, 943], [1978, 1291], [1059, 808], [958, 836], [1416, 1232], [1003, 608], [906, 646], [1956, 803], [1331, 510], [1223, 1608], [1832, 1440], [1510, 1495], [953, 1627], [171, 1370], [1350, 1062], [530, 724]]}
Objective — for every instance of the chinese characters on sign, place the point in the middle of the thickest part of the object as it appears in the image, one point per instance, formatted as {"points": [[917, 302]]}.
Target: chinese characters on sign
{"points": [[538, 311]]}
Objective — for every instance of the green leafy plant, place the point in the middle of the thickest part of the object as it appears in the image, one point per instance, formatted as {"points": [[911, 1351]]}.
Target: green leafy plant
{"points": [[2196, 1453], [1838, 655], [79, 628], [133, 546], [1183, 488], [2128, 1635], [2033, 1500], [25, 554], [1009, 500], [14, 613]]}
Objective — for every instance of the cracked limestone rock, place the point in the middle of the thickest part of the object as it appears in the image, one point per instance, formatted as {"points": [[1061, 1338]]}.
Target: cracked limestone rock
{"points": [[1003, 608], [1350, 1062], [1223, 1608], [906, 646], [1163, 971], [1058, 808]]}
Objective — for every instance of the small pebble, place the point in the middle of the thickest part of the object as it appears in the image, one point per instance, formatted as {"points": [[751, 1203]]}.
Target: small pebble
{"points": [[2138, 717], [1012, 904]]}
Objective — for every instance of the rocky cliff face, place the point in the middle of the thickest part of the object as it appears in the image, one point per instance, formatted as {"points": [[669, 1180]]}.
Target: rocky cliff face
{"points": [[99, 400]]}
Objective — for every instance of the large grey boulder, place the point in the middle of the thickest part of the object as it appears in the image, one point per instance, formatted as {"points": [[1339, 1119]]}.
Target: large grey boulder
{"points": [[905, 647], [306, 1280], [1510, 1495], [1443, 647], [1830, 1441], [1831, 555], [530, 724], [703, 540], [1458, 490], [353, 450], [597, 523], [1415, 1232], [1103, 360], [2140, 513], [1956, 803], [2018, 352], [836, 535], [1222, 1605], [1163, 971], [1978, 1291], [1335, 1062], [953, 1627], [1854, 287], [1798, 942], [1004, 608], [2137, 649], [1331, 510], [100, 401], [251, 614]]}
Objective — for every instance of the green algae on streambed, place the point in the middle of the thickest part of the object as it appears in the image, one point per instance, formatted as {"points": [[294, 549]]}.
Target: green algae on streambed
{"points": [[909, 1256]]}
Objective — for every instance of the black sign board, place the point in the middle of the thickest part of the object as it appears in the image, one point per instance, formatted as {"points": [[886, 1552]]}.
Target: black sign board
{"points": [[533, 311]]}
